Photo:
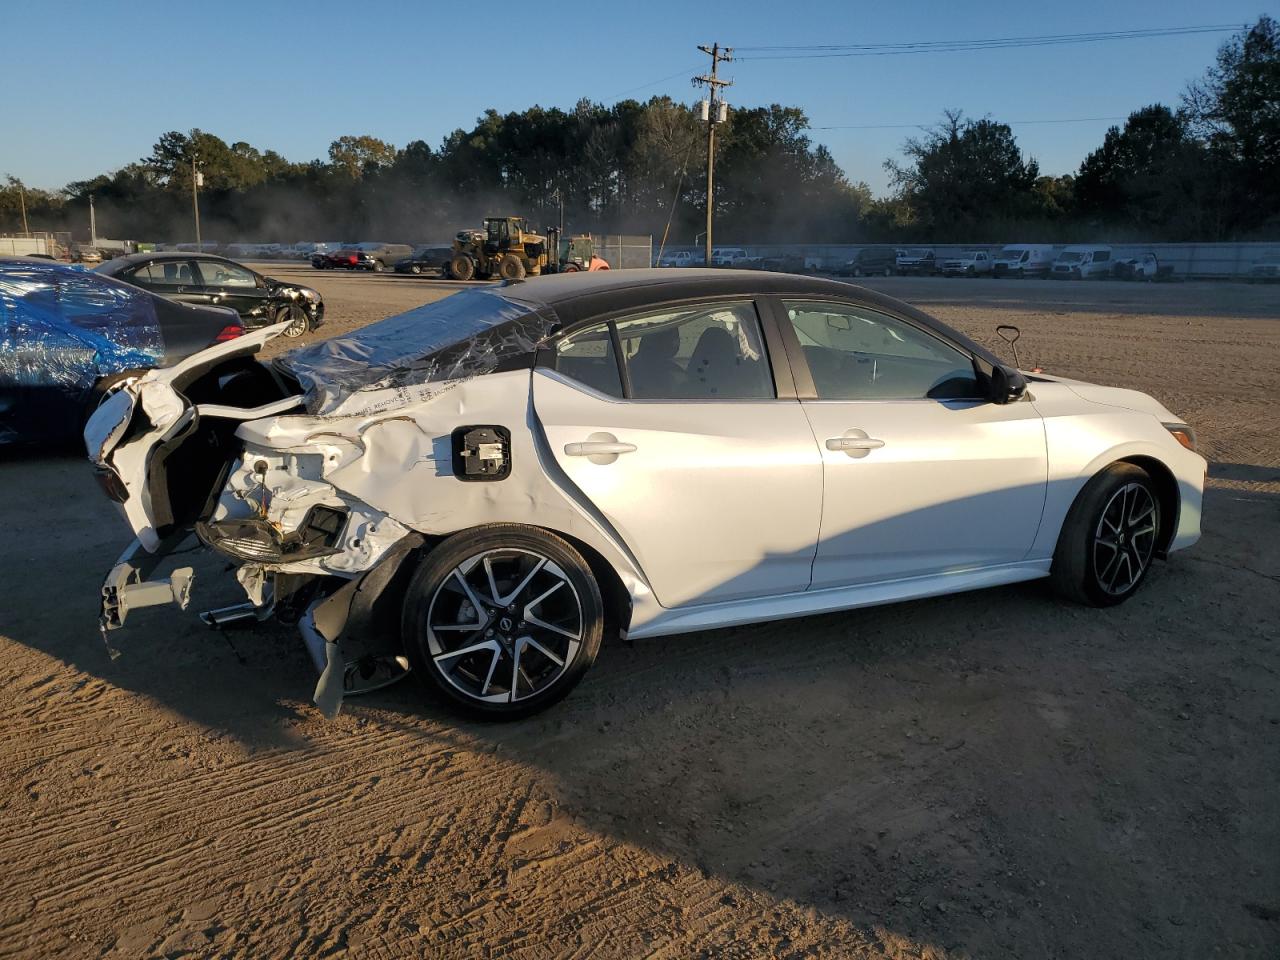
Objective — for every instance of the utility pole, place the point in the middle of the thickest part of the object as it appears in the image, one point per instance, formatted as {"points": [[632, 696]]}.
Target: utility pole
{"points": [[93, 224], [22, 200], [717, 112], [196, 177]]}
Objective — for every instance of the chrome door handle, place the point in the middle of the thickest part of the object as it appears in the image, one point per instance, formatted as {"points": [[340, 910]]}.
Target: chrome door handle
{"points": [[854, 443], [595, 448]]}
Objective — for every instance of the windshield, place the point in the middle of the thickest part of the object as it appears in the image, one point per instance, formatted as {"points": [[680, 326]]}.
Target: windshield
{"points": [[915, 254], [970, 255], [1011, 253], [1070, 256], [411, 356]]}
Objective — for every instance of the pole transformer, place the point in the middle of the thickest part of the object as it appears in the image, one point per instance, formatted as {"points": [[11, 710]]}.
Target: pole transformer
{"points": [[717, 112]]}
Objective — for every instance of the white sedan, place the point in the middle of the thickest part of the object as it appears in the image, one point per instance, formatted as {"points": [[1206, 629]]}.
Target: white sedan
{"points": [[481, 489]]}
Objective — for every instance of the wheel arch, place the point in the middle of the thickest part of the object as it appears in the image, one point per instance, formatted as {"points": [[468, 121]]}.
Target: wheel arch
{"points": [[1167, 490]]}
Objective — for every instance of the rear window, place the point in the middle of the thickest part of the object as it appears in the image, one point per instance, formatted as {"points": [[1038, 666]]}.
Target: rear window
{"points": [[413, 355]]}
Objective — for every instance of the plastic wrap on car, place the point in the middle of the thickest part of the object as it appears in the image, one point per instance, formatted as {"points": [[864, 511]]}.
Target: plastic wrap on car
{"points": [[61, 329], [414, 355]]}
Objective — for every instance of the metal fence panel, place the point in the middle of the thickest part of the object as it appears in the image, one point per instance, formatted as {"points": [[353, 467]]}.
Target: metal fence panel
{"points": [[625, 252]]}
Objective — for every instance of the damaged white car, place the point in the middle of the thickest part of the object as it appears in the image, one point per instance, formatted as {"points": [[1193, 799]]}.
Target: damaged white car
{"points": [[483, 488]]}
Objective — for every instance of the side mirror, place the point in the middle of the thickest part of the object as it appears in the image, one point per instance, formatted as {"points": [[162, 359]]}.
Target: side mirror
{"points": [[1007, 385]]}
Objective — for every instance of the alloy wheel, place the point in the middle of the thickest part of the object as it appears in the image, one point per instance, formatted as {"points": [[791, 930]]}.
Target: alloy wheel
{"points": [[504, 625], [1125, 538]]}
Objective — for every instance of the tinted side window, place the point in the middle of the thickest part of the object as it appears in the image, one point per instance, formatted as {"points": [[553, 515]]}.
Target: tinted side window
{"points": [[1102, 256], [588, 357], [859, 354], [702, 352], [216, 273], [164, 273]]}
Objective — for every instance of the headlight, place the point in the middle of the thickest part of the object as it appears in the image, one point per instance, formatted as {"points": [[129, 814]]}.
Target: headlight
{"points": [[1183, 434]]}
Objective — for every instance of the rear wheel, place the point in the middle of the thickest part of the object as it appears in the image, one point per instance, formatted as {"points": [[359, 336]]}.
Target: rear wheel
{"points": [[511, 267], [379, 266], [415, 269], [462, 267], [888, 271], [502, 621], [1109, 538]]}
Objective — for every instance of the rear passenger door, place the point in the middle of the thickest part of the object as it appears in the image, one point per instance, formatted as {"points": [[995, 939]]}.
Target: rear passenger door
{"points": [[175, 279], [672, 424]]}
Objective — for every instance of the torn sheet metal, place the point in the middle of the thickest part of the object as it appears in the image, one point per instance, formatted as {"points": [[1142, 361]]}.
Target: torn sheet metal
{"points": [[62, 329], [410, 357]]}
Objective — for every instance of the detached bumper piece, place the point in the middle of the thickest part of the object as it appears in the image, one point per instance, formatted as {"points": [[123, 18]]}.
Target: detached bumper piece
{"points": [[260, 541], [127, 588]]}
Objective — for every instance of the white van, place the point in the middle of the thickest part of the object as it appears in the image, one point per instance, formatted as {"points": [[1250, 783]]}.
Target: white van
{"points": [[1020, 260], [1081, 261]]}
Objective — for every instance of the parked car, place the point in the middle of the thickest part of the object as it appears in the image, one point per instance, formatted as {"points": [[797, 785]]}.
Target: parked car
{"points": [[482, 486], [678, 258], [203, 279], [873, 262], [1021, 260], [1264, 269], [783, 263], [86, 255], [917, 261], [64, 328], [432, 259], [728, 257], [377, 256], [1082, 261], [968, 263], [1145, 267]]}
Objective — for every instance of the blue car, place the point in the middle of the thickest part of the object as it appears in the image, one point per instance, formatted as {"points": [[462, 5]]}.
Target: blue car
{"points": [[63, 329]]}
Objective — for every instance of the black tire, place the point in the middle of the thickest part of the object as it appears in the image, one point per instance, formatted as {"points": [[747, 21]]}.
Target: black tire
{"points": [[300, 325], [888, 271], [511, 267], [857, 271], [560, 639], [415, 269], [1098, 534], [378, 266], [462, 267]]}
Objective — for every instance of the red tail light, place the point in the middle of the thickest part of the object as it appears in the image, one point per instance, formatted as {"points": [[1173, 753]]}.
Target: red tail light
{"points": [[229, 333]]}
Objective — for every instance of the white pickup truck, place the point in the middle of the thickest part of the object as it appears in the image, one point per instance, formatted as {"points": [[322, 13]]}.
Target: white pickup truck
{"points": [[970, 263]]}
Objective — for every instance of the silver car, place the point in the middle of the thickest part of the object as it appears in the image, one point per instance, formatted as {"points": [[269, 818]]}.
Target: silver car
{"points": [[482, 489]]}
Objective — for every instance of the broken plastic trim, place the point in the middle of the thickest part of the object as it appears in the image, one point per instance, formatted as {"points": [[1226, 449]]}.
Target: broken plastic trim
{"points": [[127, 588]]}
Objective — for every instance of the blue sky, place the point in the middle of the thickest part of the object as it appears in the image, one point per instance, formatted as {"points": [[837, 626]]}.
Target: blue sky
{"points": [[97, 83]]}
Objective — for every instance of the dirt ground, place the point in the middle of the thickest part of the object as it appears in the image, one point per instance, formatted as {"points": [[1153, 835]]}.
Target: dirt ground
{"points": [[985, 775]]}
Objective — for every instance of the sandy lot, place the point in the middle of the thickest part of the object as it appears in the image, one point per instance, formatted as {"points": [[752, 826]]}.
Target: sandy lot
{"points": [[987, 775]]}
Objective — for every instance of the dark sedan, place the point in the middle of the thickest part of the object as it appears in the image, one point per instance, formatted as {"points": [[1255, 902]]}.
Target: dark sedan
{"points": [[200, 278], [63, 329], [431, 260]]}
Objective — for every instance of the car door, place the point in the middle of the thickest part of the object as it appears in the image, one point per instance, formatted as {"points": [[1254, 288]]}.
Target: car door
{"points": [[175, 279], [922, 475], [671, 426], [227, 284]]}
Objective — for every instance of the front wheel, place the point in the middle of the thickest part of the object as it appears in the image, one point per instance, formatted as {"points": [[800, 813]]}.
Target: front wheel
{"points": [[297, 319], [511, 268], [502, 621], [379, 266], [1109, 538], [415, 270]]}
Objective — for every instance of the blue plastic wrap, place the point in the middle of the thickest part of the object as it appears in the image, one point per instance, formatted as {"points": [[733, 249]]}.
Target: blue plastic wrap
{"points": [[413, 355], [60, 330]]}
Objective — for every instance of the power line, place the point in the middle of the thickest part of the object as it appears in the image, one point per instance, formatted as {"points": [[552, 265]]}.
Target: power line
{"points": [[653, 83], [913, 126], [825, 51]]}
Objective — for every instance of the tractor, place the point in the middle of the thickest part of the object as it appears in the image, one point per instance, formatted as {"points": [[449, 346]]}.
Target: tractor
{"points": [[574, 254], [504, 247]]}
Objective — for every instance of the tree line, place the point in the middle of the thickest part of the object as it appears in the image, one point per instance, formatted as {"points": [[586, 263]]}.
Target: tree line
{"points": [[1207, 169]]}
